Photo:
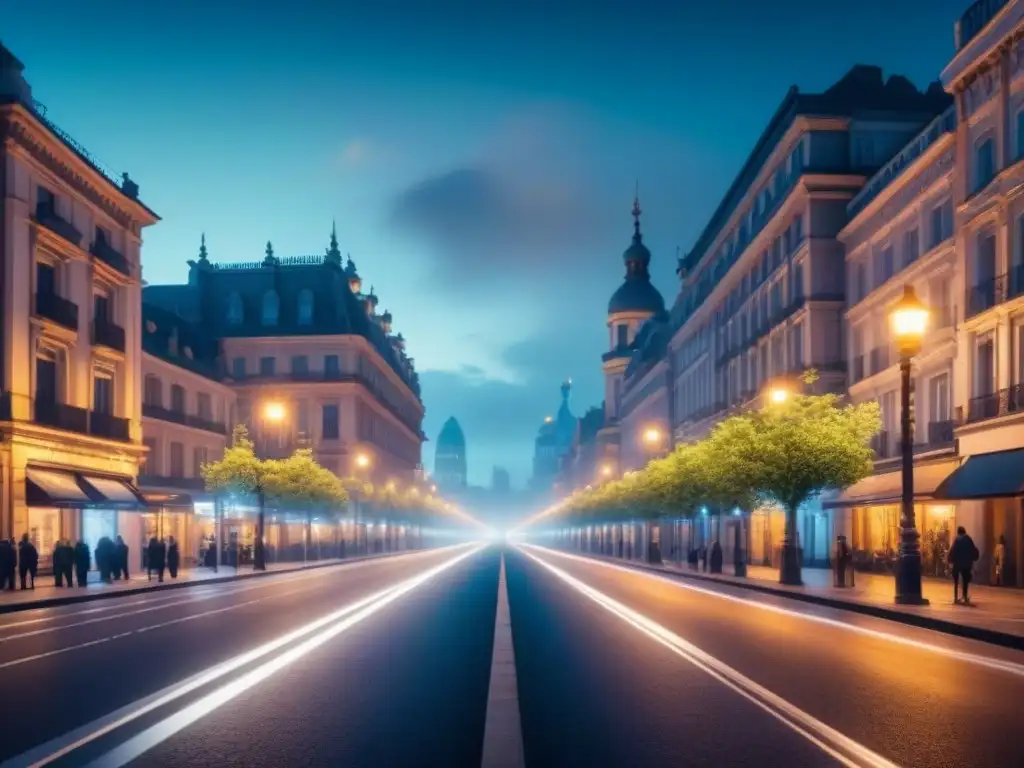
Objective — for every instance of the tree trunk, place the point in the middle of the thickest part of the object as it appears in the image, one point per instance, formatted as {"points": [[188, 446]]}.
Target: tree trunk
{"points": [[259, 556], [789, 570]]}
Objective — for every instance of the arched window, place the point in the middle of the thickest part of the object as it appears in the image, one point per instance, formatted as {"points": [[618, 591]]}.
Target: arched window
{"points": [[305, 307], [271, 308], [235, 315], [153, 393], [177, 398]]}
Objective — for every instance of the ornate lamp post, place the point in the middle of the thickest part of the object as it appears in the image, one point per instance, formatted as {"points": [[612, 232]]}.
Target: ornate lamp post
{"points": [[909, 321]]}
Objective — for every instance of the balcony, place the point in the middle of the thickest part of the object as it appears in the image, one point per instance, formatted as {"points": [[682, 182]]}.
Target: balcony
{"points": [[46, 216], [881, 358], [107, 334], [61, 416], [182, 483], [180, 417], [940, 433], [108, 426], [103, 251], [985, 407], [997, 290], [58, 309]]}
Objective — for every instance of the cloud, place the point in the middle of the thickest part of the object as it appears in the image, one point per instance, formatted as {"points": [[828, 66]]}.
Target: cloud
{"points": [[360, 153]]}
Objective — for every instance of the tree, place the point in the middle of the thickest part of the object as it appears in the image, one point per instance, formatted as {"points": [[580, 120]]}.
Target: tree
{"points": [[241, 472], [789, 452]]}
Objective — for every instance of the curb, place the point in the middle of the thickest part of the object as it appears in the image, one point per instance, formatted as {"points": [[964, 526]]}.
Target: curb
{"points": [[57, 602], [990, 636]]}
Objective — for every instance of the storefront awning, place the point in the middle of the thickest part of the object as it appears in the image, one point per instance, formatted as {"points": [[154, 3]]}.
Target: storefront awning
{"points": [[887, 488], [53, 488], [115, 491], [987, 476], [182, 500]]}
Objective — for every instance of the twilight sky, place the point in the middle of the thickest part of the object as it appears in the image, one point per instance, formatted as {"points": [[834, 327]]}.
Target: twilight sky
{"points": [[479, 157]]}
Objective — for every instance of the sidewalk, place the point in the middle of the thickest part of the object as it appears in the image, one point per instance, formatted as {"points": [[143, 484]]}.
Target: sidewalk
{"points": [[46, 595], [996, 614]]}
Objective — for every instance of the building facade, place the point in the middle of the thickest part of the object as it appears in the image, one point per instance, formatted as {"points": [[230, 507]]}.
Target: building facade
{"points": [[450, 456], [70, 412], [554, 440]]}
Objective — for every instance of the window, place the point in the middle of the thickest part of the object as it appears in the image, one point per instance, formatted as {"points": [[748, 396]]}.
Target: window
{"points": [[936, 226], [985, 258], [271, 308], [300, 364], [885, 265], [911, 246], [798, 282], [984, 374], [984, 163], [102, 394], [151, 466], [46, 200], [938, 398], [204, 407], [305, 307], [46, 379], [177, 459], [199, 457], [302, 418], [103, 237], [798, 231], [177, 398], [101, 308], [153, 392], [267, 366], [621, 335], [46, 279], [235, 312], [238, 368], [330, 422], [331, 366]]}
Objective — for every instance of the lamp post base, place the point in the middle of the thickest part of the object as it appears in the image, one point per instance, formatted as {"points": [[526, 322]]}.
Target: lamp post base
{"points": [[908, 579], [789, 573], [911, 600]]}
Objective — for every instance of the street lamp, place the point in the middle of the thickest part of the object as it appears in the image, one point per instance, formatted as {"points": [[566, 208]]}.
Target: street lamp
{"points": [[652, 436], [909, 321], [362, 461], [606, 470], [274, 411], [779, 395]]}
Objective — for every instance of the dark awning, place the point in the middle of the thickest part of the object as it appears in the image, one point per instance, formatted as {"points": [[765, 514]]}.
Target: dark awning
{"points": [[887, 487], [986, 476], [112, 491], [53, 488]]}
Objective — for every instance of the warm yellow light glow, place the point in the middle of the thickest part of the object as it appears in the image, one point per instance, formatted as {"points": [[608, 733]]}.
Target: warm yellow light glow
{"points": [[274, 411], [433, 489], [779, 395], [547, 419], [652, 435], [909, 318], [362, 460], [606, 470]]}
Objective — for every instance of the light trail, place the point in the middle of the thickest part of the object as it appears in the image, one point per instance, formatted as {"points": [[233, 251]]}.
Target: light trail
{"points": [[1000, 665], [53, 750], [837, 745]]}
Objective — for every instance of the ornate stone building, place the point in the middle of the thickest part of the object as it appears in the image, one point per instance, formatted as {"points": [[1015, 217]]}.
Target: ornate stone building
{"points": [[554, 439], [70, 412]]}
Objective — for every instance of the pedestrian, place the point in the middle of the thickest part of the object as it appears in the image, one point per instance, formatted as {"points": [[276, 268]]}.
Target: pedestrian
{"points": [[63, 563], [704, 558], [105, 558], [8, 558], [121, 558], [999, 560], [173, 557], [157, 559], [82, 561], [28, 561], [716, 557], [962, 556], [211, 553]]}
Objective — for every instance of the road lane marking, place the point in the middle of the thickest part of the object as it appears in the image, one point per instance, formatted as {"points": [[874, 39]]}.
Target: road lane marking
{"points": [[1010, 667], [837, 745], [57, 748], [99, 609], [503, 731]]}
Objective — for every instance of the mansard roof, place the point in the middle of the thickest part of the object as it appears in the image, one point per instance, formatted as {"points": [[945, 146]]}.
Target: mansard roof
{"points": [[170, 337]]}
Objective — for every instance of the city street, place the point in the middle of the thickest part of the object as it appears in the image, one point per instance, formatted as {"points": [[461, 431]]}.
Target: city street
{"points": [[387, 663]]}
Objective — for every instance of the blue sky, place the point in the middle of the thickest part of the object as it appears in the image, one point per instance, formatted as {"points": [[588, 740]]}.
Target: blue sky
{"points": [[479, 158]]}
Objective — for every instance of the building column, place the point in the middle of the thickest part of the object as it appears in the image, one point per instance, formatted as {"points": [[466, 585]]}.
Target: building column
{"points": [[1004, 354], [962, 371], [79, 355]]}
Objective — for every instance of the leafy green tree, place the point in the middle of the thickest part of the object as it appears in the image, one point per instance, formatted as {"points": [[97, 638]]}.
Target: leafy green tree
{"points": [[791, 451]]}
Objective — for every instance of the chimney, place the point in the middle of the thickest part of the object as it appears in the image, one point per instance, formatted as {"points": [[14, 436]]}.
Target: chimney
{"points": [[13, 87]]}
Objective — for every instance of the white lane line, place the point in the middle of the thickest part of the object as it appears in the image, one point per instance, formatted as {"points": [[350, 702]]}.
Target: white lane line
{"points": [[835, 744], [503, 731], [161, 731], [99, 609], [1010, 667], [56, 748]]}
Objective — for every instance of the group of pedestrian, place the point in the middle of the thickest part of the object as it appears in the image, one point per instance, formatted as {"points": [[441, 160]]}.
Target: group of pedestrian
{"points": [[24, 559], [161, 555], [112, 559], [68, 558]]}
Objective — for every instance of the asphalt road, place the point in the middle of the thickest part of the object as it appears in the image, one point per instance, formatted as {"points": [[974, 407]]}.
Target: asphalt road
{"points": [[387, 663]]}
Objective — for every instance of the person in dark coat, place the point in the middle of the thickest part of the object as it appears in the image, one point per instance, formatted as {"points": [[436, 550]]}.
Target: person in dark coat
{"points": [[121, 557], [8, 561], [63, 563], [105, 558], [211, 553], [28, 561], [82, 560], [173, 557], [962, 557], [157, 558], [716, 557]]}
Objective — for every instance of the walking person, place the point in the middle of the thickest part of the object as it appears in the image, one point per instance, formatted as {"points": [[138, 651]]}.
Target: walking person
{"points": [[157, 552], [121, 558], [999, 560], [28, 561], [8, 558], [173, 557], [62, 564], [105, 557], [962, 556], [82, 560]]}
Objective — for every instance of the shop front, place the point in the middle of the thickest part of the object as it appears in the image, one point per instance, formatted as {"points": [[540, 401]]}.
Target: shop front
{"points": [[167, 515], [77, 506]]}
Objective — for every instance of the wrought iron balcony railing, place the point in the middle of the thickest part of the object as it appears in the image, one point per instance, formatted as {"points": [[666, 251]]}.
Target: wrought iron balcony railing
{"points": [[107, 334], [58, 309], [48, 217]]}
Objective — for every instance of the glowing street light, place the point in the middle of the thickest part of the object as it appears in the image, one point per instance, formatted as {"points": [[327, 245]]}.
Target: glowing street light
{"points": [[433, 489], [362, 460], [274, 411], [909, 322], [779, 395], [606, 470], [652, 436]]}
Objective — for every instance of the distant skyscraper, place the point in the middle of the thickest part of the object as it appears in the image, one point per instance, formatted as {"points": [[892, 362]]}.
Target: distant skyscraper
{"points": [[500, 481], [450, 456]]}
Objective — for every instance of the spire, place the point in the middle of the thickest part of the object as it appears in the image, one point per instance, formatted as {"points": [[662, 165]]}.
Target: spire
{"points": [[202, 247], [636, 212], [269, 260], [566, 389], [333, 254]]}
